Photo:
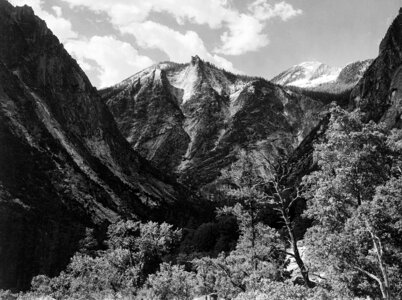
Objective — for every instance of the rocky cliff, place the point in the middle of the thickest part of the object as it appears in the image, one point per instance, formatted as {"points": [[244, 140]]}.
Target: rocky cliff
{"points": [[64, 166], [193, 119], [379, 92]]}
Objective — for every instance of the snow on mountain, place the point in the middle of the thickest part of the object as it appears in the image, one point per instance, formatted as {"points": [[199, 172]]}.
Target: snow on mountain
{"points": [[307, 74], [318, 75]]}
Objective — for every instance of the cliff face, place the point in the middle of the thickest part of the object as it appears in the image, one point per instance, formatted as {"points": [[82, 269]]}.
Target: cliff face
{"points": [[379, 92], [64, 166], [193, 119]]}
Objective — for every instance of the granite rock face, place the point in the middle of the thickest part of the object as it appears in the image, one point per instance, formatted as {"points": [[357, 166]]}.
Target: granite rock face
{"points": [[193, 120], [379, 92], [64, 166]]}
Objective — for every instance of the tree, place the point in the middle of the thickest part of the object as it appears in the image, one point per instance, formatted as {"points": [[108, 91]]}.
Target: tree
{"points": [[353, 160], [134, 251], [255, 191], [283, 198], [260, 252], [358, 163], [171, 282], [244, 268]]}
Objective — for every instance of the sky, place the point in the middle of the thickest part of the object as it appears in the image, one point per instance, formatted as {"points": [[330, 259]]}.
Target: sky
{"points": [[114, 39]]}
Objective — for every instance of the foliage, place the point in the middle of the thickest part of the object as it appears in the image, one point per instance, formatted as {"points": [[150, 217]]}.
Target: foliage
{"points": [[7, 295], [171, 282], [210, 238], [327, 93], [134, 251], [255, 258], [274, 290], [259, 253], [353, 199]]}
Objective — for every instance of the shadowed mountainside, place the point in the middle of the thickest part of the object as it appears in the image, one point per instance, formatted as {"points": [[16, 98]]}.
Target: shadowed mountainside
{"points": [[64, 166]]}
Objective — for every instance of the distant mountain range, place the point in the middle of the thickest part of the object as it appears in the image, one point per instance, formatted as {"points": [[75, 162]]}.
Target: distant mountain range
{"points": [[319, 76]]}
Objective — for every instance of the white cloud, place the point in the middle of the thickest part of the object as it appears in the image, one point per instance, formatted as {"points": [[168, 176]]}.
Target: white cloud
{"points": [[262, 10], [123, 12], [244, 31], [106, 58], [178, 46], [117, 60], [112, 59], [58, 11], [60, 26], [244, 35]]}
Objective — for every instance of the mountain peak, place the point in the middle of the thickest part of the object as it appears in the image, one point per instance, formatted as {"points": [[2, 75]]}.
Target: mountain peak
{"points": [[319, 76], [307, 74], [195, 60], [310, 64]]}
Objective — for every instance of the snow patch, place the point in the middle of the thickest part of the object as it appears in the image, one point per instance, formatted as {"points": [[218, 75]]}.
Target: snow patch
{"points": [[308, 74], [307, 82]]}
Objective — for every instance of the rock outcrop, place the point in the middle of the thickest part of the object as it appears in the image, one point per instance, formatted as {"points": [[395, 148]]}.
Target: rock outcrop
{"points": [[64, 166]]}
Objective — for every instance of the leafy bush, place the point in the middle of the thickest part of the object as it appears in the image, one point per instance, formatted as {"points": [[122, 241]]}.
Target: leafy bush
{"points": [[171, 282], [134, 251]]}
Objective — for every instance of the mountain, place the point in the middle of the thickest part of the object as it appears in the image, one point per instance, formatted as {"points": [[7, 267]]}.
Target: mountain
{"points": [[379, 93], [193, 120], [307, 74], [65, 169], [321, 77]]}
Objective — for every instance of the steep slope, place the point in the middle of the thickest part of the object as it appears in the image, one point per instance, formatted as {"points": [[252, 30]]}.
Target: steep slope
{"points": [[316, 76], [379, 92], [64, 166], [193, 119]]}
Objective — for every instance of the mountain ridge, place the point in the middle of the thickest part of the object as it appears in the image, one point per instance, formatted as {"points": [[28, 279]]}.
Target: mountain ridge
{"points": [[321, 77], [65, 169], [206, 111]]}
